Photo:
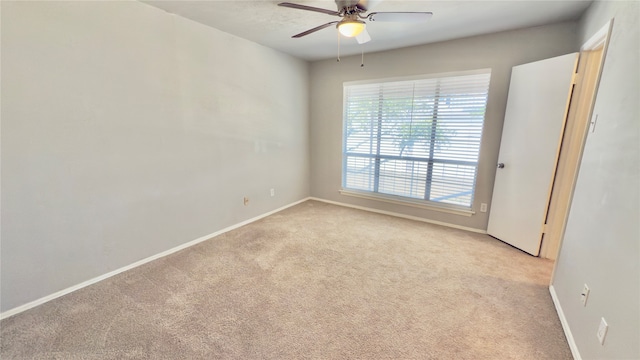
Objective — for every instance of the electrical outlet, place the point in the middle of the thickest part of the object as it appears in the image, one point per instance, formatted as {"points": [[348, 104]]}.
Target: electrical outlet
{"points": [[584, 295], [483, 207], [602, 330], [273, 192], [246, 201]]}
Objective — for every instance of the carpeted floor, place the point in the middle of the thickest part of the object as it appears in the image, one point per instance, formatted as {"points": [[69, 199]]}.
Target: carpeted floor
{"points": [[315, 281]]}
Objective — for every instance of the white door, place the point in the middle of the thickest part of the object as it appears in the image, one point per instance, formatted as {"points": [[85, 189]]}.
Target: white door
{"points": [[534, 119]]}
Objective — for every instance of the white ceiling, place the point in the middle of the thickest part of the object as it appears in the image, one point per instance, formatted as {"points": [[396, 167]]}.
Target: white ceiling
{"points": [[263, 22]]}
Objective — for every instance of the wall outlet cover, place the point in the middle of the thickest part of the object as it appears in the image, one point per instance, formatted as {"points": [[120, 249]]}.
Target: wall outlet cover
{"points": [[602, 330]]}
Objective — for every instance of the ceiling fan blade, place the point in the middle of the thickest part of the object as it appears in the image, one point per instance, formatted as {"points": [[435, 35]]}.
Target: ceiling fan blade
{"points": [[413, 17], [314, 29], [363, 37], [309, 8]]}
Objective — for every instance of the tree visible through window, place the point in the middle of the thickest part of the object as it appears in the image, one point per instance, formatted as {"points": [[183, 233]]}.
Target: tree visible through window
{"points": [[418, 139]]}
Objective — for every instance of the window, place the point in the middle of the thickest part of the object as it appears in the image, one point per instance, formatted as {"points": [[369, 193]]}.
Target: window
{"points": [[417, 139]]}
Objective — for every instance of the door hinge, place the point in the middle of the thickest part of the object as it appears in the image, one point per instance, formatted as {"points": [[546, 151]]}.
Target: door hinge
{"points": [[574, 78], [544, 228]]}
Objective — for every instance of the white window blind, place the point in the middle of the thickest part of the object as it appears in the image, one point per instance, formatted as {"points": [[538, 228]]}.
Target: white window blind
{"points": [[418, 139]]}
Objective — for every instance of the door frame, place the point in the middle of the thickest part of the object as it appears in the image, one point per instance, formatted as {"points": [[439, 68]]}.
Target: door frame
{"points": [[570, 149]]}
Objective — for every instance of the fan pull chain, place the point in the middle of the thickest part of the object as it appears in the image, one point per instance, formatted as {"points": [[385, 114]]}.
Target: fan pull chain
{"points": [[362, 62], [338, 45]]}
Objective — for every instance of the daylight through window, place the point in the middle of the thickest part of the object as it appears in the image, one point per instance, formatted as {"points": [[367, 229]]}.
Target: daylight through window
{"points": [[417, 139]]}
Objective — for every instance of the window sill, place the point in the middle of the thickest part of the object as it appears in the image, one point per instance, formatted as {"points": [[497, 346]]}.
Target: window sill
{"points": [[392, 199]]}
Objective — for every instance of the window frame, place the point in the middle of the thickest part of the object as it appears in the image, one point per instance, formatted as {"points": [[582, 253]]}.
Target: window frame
{"points": [[405, 200]]}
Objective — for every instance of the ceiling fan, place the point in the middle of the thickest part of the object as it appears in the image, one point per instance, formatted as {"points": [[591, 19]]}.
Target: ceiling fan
{"points": [[352, 13]]}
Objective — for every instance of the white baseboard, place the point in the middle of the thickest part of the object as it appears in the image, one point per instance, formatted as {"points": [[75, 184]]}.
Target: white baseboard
{"points": [[565, 324], [73, 288], [390, 213], [92, 281]]}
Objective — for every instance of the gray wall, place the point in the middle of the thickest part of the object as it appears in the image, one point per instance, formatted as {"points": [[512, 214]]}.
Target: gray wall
{"points": [[500, 52], [127, 131], [601, 246]]}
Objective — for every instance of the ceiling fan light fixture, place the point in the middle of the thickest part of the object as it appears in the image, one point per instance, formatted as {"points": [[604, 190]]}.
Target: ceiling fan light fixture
{"points": [[351, 28]]}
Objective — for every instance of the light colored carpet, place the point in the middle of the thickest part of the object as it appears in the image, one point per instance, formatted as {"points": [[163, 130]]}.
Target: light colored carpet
{"points": [[315, 281]]}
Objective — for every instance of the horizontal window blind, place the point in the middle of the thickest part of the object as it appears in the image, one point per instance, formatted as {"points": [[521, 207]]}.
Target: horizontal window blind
{"points": [[418, 139]]}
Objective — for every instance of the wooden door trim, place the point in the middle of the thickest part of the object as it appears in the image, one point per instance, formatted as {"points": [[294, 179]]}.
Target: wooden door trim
{"points": [[555, 227], [565, 117]]}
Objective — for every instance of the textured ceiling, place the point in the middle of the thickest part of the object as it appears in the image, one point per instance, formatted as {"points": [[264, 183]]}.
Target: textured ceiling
{"points": [[263, 22]]}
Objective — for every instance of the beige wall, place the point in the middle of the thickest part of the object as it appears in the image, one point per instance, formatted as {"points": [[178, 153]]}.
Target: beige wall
{"points": [[127, 131], [500, 52], [601, 246]]}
